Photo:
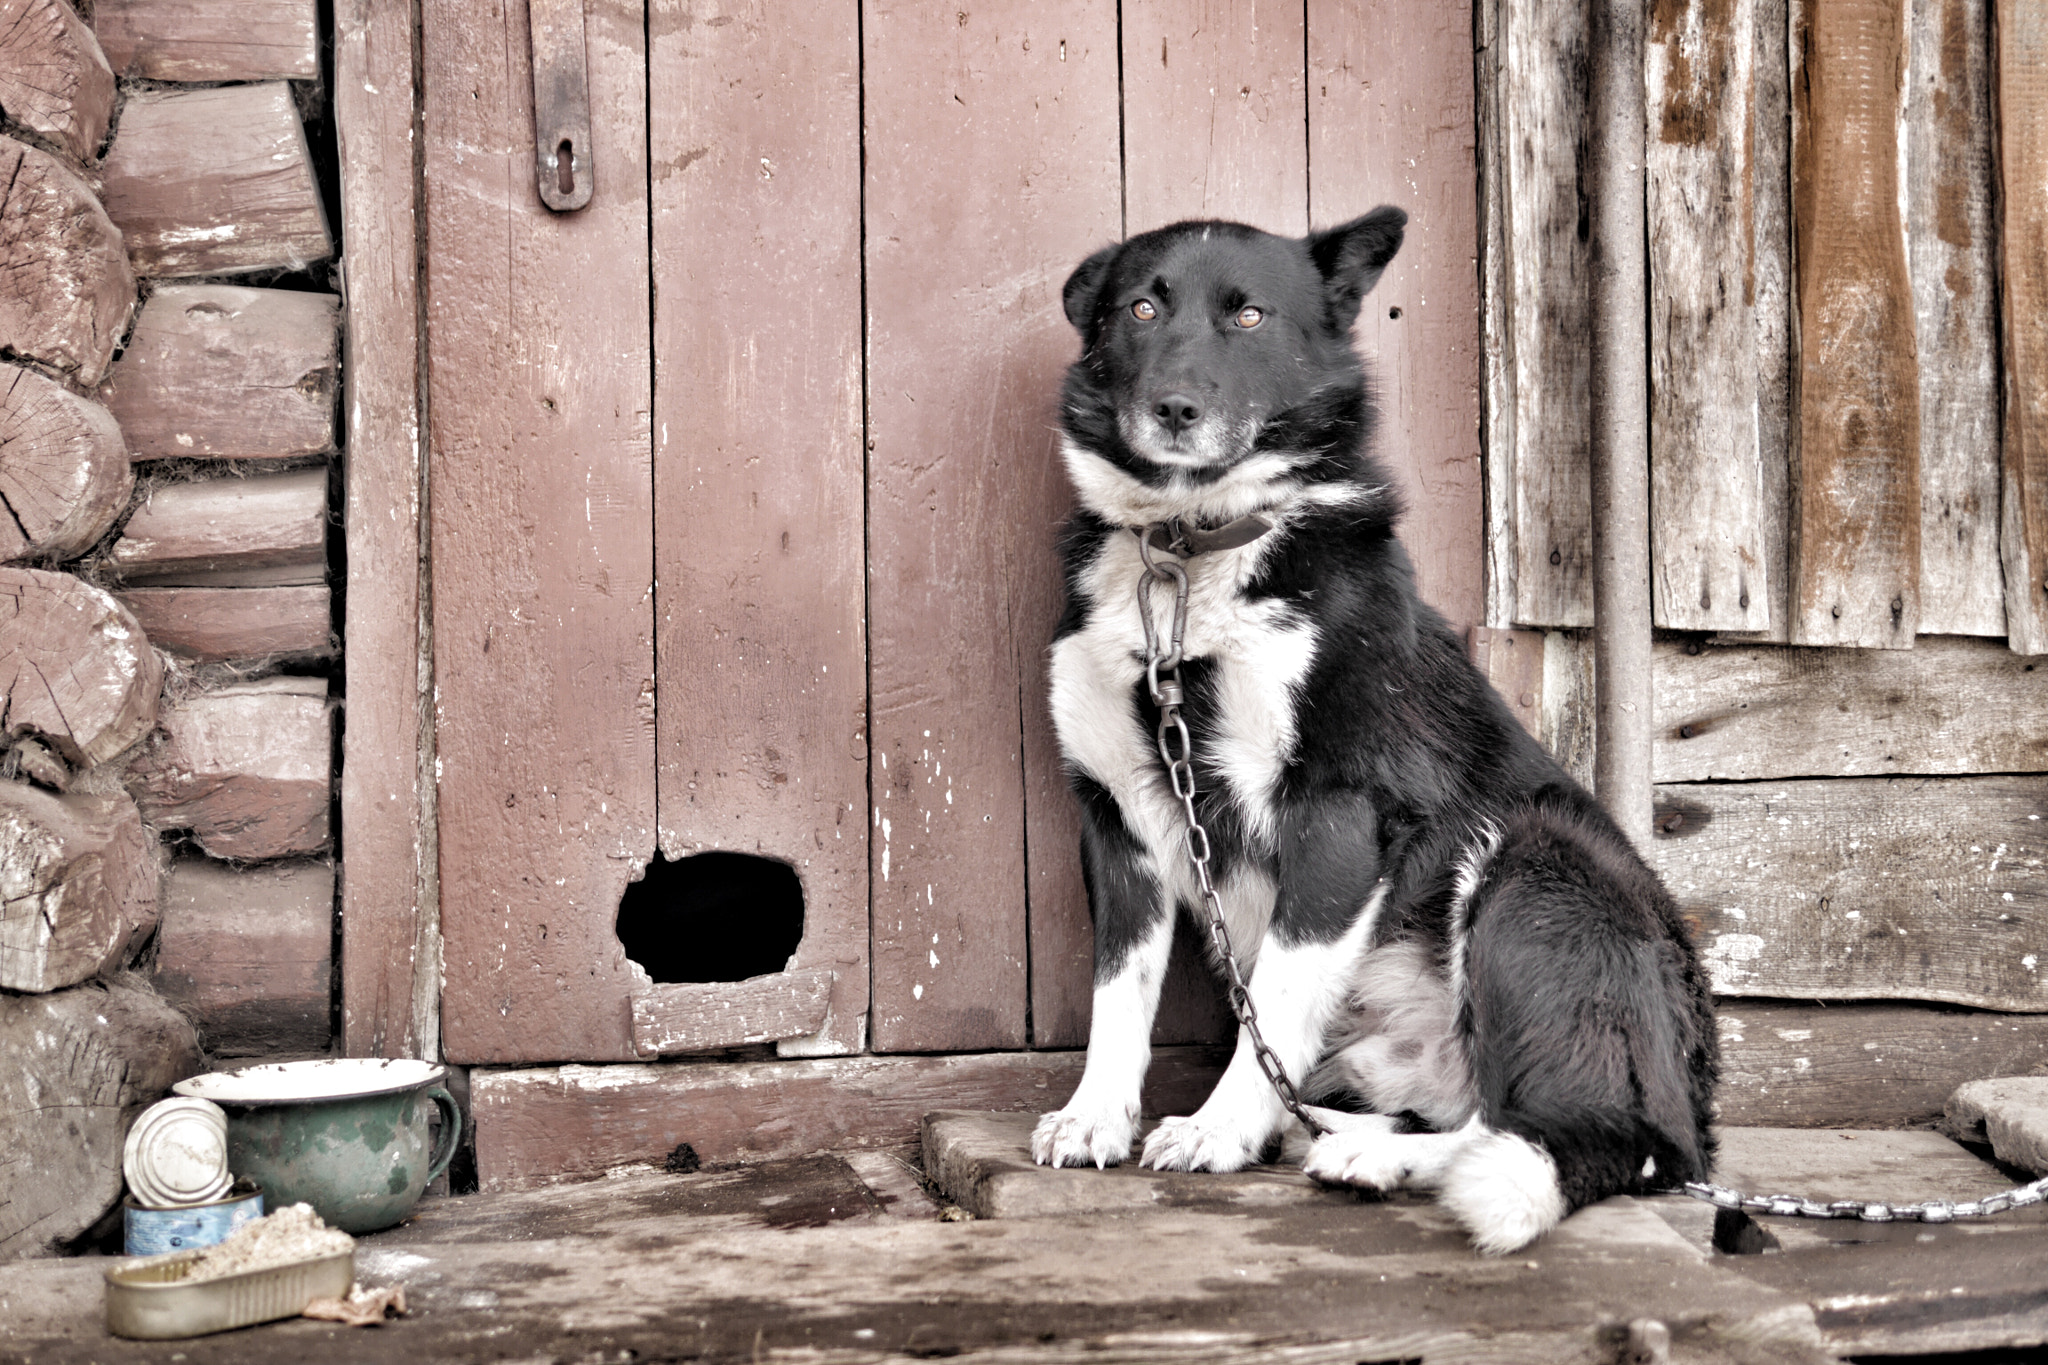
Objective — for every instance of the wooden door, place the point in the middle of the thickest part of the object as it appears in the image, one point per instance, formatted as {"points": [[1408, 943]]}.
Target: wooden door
{"points": [[744, 481]]}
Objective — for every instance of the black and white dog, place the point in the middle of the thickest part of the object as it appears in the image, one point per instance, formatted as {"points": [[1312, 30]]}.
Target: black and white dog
{"points": [[1440, 928]]}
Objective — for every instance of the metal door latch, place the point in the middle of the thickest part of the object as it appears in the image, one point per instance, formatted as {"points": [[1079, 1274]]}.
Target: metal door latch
{"points": [[561, 103]]}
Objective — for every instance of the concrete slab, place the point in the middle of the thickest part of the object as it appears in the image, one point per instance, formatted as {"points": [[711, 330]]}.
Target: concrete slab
{"points": [[2009, 1112]]}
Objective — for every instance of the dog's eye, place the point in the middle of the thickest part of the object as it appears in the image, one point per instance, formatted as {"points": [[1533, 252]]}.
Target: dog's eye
{"points": [[1143, 310], [1249, 318]]}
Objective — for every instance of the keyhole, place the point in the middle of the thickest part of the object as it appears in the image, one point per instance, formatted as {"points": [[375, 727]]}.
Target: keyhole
{"points": [[565, 167]]}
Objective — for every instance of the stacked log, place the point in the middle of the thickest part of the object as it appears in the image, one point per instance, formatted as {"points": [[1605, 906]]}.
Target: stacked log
{"points": [[245, 769], [248, 954]]}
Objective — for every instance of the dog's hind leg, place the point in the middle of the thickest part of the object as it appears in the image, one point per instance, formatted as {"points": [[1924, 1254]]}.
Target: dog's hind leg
{"points": [[1133, 939]]}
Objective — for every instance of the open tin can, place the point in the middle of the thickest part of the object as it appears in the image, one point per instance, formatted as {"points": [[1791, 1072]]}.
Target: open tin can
{"points": [[150, 1232]]}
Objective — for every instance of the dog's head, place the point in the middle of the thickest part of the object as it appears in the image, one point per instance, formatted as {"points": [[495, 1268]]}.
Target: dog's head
{"points": [[1208, 343]]}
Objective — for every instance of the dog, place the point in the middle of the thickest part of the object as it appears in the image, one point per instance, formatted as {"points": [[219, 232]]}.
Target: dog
{"points": [[1451, 948]]}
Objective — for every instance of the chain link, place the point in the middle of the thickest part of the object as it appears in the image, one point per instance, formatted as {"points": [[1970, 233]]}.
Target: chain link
{"points": [[1176, 751], [1869, 1210]]}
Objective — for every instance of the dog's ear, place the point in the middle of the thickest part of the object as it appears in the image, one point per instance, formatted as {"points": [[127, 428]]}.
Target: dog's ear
{"points": [[1079, 297], [1353, 256]]}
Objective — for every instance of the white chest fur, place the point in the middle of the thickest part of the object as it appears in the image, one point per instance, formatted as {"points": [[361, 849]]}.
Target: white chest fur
{"points": [[1260, 649]]}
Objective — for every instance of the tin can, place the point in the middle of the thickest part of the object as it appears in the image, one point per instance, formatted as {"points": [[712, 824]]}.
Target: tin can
{"points": [[148, 1232], [176, 1155]]}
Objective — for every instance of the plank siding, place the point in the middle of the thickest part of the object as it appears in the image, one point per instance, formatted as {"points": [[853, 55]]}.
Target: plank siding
{"points": [[1749, 712], [1919, 888], [1390, 121], [1856, 536], [1770, 189], [996, 126], [760, 639], [543, 528], [2023, 171], [1952, 241], [1706, 478], [1212, 109], [1548, 285]]}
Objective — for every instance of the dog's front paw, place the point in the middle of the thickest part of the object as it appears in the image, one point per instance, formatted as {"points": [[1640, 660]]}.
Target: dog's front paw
{"points": [[1078, 1136], [1365, 1159], [1199, 1144]]}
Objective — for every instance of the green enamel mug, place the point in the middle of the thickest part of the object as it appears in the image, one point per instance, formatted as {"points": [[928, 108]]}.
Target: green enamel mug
{"points": [[352, 1136]]}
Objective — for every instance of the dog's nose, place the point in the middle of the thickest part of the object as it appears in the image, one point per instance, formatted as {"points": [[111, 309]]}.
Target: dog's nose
{"points": [[1177, 412]]}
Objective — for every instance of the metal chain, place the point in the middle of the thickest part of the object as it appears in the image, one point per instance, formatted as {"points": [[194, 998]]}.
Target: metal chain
{"points": [[1870, 1211], [1176, 750]]}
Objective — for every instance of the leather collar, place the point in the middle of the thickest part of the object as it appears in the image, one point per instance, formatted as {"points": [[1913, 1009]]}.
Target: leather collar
{"points": [[1177, 537]]}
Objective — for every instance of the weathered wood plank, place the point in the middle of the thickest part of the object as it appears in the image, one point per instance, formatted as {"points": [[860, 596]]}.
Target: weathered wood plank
{"points": [[69, 287], [1952, 237], [1512, 661], [702, 1017], [965, 488], [1212, 114], [211, 40], [74, 666], [78, 891], [267, 530], [1390, 121], [247, 769], [220, 624], [220, 371], [215, 181], [543, 536], [1770, 188], [81, 1063], [248, 954], [1863, 1066], [1856, 519], [1496, 332], [1706, 478], [1548, 287], [64, 471], [575, 1122], [2023, 237], [390, 949], [53, 76], [759, 466], [1868, 888], [1744, 712]]}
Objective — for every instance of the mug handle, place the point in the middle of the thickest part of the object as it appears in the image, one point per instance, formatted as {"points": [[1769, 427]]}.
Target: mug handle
{"points": [[451, 1132]]}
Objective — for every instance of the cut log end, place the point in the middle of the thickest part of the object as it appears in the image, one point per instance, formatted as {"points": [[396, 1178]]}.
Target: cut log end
{"points": [[78, 671], [53, 76], [64, 471], [69, 287], [78, 889]]}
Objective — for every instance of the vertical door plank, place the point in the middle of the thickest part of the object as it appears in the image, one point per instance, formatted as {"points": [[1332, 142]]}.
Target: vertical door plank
{"points": [[1856, 520], [2023, 166], [1706, 478], [390, 951], [991, 145], [1213, 126], [1543, 115], [1391, 122], [1771, 218], [761, 684], [543, 530], [1952, 241]]}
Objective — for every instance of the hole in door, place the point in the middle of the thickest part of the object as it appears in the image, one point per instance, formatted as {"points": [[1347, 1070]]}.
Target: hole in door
{"points": [[712, 917]]}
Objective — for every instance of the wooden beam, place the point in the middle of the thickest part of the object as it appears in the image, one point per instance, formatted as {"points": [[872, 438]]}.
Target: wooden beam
{"points": [[64, 472], [1745, 712], [215, 625], [75, 668], [248, 954], [215, 181], [1856, 540], [1770, 188], [1866, 888], [69, 288], [53, 77], [211, 40], [1952, 239], [247, 769], [267, 530], [1863, 1066], [1706, 478], [702, 1017], [2023, 238], [390, 919], [575, 1122], [224, 372], [78, 891]]}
